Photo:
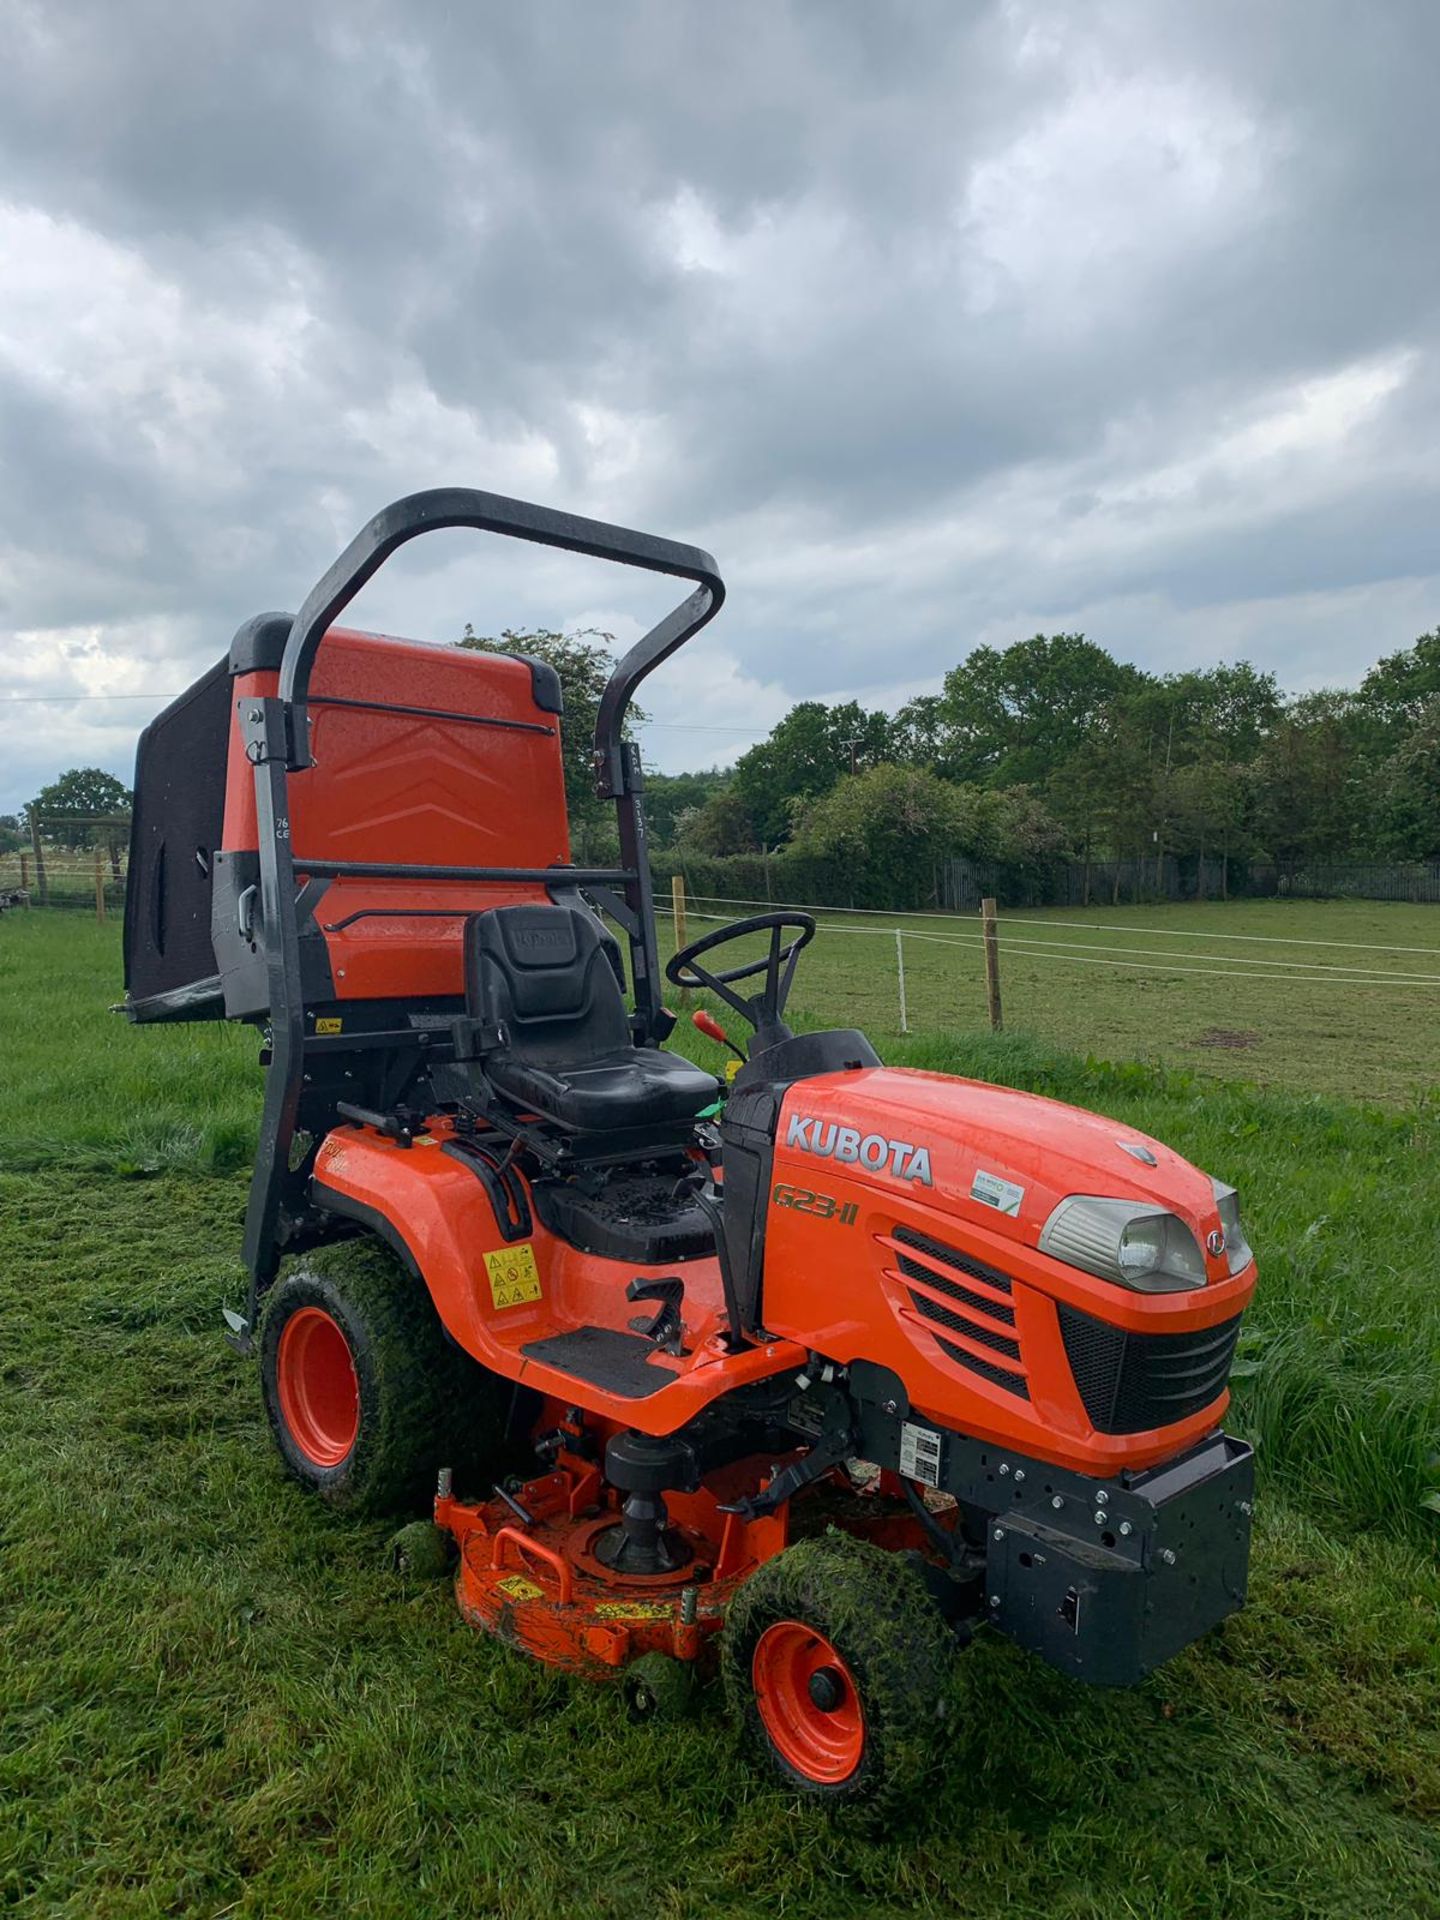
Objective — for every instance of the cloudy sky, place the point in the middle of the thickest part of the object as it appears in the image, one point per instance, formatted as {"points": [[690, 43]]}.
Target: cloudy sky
{"points": [[937, 324]]}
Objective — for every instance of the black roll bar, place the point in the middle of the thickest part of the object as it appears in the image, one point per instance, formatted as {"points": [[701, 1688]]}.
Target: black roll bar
{"points": [[492, 513], [276, 732]]}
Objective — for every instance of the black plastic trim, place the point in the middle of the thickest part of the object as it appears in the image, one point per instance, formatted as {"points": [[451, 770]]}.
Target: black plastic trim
{"points": [[259, 645]]}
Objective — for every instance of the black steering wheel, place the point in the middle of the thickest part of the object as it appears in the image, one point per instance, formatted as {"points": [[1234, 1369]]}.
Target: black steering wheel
{"points": [[762, 1010]]}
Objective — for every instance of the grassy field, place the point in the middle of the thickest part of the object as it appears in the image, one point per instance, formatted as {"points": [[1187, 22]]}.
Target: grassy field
{"points": [[1226, 990], [215, 1699]]}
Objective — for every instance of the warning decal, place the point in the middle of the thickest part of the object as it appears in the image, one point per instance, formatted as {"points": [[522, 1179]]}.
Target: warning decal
{"points": [[516, 1587], [514, 1277]]}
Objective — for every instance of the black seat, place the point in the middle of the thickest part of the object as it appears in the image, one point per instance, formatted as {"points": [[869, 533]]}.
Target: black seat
{"points": [[543, 984]]}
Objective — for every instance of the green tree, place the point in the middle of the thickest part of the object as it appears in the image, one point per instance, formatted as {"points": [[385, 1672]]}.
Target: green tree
{"points": [[1396, 691], [10, 838], [890, 827], [1309, 803], [86, 807], [720, 826], [1408, 789], [812, 747], [1015, 716], [671, 798], [583, 660]]}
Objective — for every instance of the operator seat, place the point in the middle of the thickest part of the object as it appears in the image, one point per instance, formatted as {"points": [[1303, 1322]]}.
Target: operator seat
{"points": [[542, 984]]}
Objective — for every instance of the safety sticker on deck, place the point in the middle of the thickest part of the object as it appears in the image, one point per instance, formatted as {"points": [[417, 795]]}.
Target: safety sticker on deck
{"points": [[516, 1587], [514, 1277], [632, 1610]]}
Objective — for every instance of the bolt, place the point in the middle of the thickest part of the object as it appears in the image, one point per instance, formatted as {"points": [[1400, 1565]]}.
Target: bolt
{"points": [[994, 1599], [999, 1533], [443, 1484], [1126, 1528], [1167, 1554], [891, 1406], [689, 1605], [1004, 1467], [1057, 1502], [254, 716], [1100, 1518], [1246, 1508], [1019, 1473], [1102, 1498]]}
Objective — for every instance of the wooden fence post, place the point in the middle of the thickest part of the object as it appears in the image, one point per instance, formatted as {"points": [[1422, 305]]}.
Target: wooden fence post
{"points": [[25, 876], [40, 880], [677, 901], [992, 962], [99, 883]]}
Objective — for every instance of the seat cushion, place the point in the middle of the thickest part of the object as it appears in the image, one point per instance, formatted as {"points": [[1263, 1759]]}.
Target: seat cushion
{"points": [[629, 1087]]}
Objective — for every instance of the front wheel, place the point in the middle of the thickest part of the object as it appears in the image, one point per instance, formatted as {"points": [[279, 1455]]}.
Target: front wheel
{"points": [[839, 1663], [366, 1397]]}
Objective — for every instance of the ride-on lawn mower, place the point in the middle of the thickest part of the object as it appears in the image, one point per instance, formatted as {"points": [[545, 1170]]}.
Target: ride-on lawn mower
{"points": [[817, 1372]]}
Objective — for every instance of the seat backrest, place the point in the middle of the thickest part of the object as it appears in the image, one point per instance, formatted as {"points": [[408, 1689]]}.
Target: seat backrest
{"points": [[549, 977]]}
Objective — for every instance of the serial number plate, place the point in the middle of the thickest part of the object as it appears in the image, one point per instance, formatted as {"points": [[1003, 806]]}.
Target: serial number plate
{"points": [[920, 1454]]}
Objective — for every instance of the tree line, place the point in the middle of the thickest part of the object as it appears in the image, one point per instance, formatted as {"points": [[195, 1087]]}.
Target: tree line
{"points": [[1044, 749], [1051, 747]]}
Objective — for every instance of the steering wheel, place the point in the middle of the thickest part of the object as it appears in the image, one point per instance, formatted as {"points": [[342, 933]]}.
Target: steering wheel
{"points": [[762, 1010]]}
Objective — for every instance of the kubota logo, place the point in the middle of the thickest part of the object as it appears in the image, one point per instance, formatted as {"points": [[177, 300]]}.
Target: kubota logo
{"points": [[872, 1150]]}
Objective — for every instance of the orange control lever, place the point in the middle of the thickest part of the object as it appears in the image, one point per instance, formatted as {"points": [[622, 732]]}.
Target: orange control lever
{"points": [[707, 1024]]}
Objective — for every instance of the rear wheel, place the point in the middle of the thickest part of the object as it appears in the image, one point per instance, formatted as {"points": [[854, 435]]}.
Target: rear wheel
{"points": [[839, 1663], [366, 1396]]}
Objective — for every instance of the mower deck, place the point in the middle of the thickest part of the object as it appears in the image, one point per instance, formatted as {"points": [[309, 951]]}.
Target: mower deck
{"points": [[529, 1573]]}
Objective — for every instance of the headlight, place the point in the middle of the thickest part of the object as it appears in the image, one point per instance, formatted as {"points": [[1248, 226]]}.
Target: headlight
{"points": [[1237, 1247], [1126, 1241]]}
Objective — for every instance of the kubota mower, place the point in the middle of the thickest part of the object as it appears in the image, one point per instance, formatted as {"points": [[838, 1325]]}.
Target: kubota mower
{"points": [[809, 1376]]}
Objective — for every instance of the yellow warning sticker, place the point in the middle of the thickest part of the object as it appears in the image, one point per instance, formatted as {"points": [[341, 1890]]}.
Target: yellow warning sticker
{"points": [[516, 1587], [514, 1277], [329, 1023], [632, 1610]]}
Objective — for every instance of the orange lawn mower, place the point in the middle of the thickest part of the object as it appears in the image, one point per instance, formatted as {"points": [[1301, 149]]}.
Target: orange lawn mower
{"points": [[810, 1375]]}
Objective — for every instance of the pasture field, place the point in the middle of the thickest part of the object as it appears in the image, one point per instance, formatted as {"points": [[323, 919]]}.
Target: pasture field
{"points": [[1234, 990], [216, 1699]]}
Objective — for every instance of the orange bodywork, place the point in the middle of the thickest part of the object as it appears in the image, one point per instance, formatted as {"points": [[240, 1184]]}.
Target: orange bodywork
{"points": [[835, 1282], [392, 786], [832, 1282], [443, 1215]]}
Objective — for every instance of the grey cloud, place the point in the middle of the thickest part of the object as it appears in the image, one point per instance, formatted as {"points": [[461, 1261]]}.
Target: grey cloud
{"points": [[914, 315]]}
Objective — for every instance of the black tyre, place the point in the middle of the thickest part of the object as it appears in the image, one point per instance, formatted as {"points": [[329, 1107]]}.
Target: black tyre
{"points": [[367, 1398], [839, 1664]]}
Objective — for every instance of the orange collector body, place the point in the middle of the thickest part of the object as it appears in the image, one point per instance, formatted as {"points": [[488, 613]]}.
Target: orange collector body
{"points": [[808, 1376]]}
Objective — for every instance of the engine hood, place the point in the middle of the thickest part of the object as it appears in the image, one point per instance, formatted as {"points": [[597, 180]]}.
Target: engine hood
{"points": [[1002, 1158]]}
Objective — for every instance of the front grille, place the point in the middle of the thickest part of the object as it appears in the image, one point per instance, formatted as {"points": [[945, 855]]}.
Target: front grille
{"points": [[1131, 1382], [1015, 1383], [951, 1257], [973, 1316]]}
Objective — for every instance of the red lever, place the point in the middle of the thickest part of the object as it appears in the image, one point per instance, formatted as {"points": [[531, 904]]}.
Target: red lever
{"points": [[707, 1024]]}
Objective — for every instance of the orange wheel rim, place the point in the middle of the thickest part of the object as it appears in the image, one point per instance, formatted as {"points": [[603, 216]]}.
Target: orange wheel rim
{"points": [[809, 1703], [319, 1393]]}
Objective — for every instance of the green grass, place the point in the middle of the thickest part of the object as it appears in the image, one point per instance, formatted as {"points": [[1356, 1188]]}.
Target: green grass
{"points": [[215, 1699], [1182, 991]]}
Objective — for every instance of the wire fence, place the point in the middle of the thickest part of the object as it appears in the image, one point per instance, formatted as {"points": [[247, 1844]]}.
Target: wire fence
{"points": [[1338, 1015], [1317, 1008]]}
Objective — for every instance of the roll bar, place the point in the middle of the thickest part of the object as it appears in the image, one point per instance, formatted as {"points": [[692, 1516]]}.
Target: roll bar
{"points": [[493, 513], [276, 733]]}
